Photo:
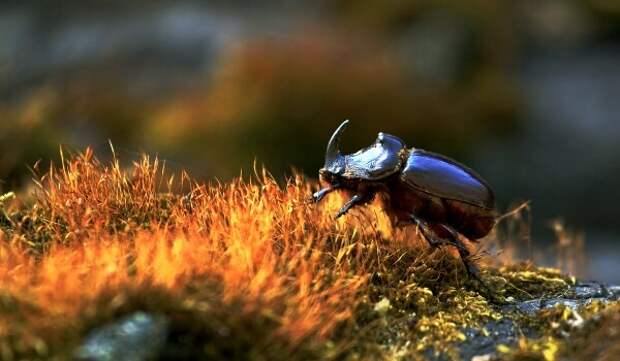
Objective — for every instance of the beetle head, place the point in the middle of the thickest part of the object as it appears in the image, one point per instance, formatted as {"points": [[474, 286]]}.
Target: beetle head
{"points": [[375, 162]]}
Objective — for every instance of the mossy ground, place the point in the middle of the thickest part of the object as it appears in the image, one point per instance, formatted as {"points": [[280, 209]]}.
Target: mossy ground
{"points": [[250, 270]]}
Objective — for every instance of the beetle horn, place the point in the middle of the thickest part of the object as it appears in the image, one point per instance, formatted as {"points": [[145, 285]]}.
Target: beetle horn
{"points": [[332, 154]]}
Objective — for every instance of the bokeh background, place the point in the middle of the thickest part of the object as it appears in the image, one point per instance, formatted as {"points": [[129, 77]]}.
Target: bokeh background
{"points": [[526, 92]]}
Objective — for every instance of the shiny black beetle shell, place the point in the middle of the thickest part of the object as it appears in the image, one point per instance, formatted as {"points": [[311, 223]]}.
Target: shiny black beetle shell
{"points": [[376, 162], [446, 178]]}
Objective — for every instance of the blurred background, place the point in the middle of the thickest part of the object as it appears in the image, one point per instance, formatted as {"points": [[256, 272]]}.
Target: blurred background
{"points": [[525, 92]]}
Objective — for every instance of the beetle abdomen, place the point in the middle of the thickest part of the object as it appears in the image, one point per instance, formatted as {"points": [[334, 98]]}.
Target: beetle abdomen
{"points": [[471, 221], [446, 178]]}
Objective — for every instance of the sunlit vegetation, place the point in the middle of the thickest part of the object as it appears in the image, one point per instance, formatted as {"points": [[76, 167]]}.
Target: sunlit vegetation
{"points": [[246, 269]]}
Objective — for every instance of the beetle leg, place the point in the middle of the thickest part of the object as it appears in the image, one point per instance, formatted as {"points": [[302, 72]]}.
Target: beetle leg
{"points": [[318, 196], [355, 200], [429, 235], [363, 197], [472, 269], [453, 240]]}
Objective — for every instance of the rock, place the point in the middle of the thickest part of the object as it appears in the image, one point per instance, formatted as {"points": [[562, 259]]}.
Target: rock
{"points": [[588, 290], [479, 343], [528, 307], [571, 303], [613, 291], [137, 337], [482, 344]]}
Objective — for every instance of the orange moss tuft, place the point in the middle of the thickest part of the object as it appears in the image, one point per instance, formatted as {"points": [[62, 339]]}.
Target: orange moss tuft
{"points": [[94, 229]]}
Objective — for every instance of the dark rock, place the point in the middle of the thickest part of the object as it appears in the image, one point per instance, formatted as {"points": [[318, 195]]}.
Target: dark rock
{"points": [[506, 331], [529, 307], [588, 290], [137, 337], [613, 291], [503, 331]]}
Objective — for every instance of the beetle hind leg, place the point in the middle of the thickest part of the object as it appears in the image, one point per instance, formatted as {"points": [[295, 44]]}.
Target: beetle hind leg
{"points": [[437, 234], [449, 237], [455, 240]]}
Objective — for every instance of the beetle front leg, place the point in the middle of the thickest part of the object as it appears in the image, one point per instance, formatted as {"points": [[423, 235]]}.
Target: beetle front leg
{"points": [[318, 196]]}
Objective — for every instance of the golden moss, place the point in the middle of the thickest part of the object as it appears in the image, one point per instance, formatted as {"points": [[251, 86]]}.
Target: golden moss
{"points": [[588, 332], [525, 281], [94, 229], [96, 242], [544, 349]]}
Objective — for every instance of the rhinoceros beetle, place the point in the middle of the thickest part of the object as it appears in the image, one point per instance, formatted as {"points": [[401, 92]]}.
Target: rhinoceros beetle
{"points": [[442, 197]]}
